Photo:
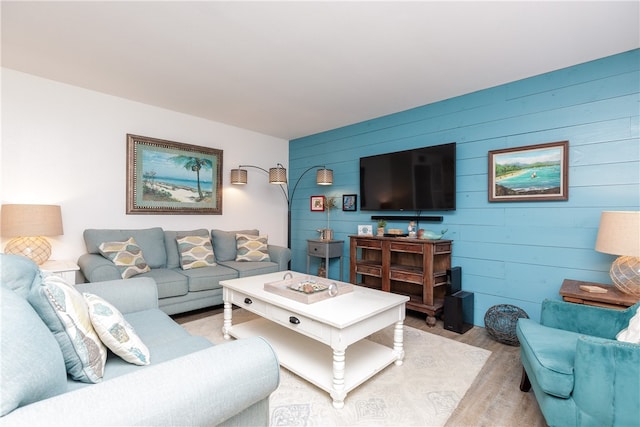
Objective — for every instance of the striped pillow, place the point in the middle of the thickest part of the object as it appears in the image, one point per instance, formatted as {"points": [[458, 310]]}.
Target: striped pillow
{"points": [[195, 252]]}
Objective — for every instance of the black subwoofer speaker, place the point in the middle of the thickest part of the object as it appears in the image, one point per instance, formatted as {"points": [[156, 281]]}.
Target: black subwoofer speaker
{"points": [[458, 312], [454, 280]]}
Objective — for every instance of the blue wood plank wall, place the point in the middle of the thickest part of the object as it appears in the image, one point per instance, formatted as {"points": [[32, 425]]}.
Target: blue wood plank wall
{"points": [[510, 253]]}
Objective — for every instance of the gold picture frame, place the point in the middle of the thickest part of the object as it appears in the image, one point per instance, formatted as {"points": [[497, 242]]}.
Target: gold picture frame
{"points": [[166, 177]]}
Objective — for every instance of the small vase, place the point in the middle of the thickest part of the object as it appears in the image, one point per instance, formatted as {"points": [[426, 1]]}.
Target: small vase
{"points": [[380, 231]]}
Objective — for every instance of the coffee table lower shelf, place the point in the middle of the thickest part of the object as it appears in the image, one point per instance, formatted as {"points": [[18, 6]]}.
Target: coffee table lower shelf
{"points": [[313, 360]]}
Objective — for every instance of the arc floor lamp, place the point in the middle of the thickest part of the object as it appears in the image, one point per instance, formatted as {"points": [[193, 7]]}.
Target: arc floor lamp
{"points": [[278, 176]]}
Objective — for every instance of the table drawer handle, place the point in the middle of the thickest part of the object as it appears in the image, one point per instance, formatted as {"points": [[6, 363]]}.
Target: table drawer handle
{"points": [[294, 320], [248, 301]]}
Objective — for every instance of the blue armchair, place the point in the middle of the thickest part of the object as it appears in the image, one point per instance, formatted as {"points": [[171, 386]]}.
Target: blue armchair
{"points": [[578, 371]]}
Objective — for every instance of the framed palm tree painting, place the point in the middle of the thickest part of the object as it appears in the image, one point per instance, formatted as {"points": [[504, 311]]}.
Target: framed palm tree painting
{"points": [[166, 177]]}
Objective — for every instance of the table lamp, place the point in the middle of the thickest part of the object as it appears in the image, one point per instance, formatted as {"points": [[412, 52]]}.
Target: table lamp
{"points": [[619, 234], [28, 224]]}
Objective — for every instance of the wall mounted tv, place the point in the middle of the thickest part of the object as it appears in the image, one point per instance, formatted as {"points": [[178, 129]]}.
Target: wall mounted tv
{"points": [[421, 179]]}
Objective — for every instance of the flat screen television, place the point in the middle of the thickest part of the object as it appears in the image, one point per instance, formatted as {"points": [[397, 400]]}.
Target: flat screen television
{"points": [[421, 179]]}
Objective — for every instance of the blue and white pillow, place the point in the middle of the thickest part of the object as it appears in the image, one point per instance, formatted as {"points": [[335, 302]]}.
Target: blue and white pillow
{"points": [[63, 309], [115, 332]]}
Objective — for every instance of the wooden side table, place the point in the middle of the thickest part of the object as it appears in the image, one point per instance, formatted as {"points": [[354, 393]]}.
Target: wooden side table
{"points": [[325, 249], [65, 269], [613, 298]]}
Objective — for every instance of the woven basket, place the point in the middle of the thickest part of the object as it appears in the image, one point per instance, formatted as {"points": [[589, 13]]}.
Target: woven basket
{"points": [[500, 322]]}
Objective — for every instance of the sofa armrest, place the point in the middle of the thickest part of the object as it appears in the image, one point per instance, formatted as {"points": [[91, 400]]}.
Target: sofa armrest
{"points": [[203, 388], [606, 376], [127, 295], [585, 319], [96, 268], [280, 255]]}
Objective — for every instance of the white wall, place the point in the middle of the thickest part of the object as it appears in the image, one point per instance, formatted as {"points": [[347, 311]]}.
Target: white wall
{"points": [[66, 145]]}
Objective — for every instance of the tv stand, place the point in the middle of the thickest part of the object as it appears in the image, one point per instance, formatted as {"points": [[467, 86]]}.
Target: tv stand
{"points": [[407, 218], [408, 266]]}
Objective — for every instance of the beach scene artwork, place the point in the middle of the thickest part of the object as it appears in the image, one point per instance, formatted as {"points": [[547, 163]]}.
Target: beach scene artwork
{"points": [[530, 173], [174, 177]]}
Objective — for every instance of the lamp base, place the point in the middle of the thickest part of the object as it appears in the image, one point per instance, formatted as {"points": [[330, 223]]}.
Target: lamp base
{"points": [[625, 274], [36, 249]]}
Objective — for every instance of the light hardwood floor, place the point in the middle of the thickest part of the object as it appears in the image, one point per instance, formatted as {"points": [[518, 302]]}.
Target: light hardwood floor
{"points": [[494, 399]]}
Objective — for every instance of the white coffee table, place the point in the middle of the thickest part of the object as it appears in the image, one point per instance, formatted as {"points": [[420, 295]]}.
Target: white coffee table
{"points": [[311, 340]]}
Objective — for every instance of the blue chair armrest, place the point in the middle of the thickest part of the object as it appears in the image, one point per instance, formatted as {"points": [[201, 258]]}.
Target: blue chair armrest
{"points": [[585, 319], [606, 382]]}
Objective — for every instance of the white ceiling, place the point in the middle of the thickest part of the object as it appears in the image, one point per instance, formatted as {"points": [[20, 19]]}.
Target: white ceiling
{"points": [[291, 69]]}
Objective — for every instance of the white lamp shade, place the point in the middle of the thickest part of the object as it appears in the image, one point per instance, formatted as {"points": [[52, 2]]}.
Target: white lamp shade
{"points": [[619, 233]]}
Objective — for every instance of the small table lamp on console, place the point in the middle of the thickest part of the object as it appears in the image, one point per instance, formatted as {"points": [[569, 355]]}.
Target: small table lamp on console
{"points": [[619, 234], [27, 224]]}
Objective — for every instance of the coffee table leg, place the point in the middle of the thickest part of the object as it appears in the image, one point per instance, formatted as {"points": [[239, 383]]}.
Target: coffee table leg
{"points": [[398, 337], [226, 325], [338, 394]]}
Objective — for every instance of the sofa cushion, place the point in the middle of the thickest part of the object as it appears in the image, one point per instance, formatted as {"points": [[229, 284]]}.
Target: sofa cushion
{"points": [[63, 309], [165, 339], [115, 332], [252, 248], [150, 240], [18, 273], [246, 269], [195, 252], [551, 353], [224, 243], [170, 283], [127, 257], [205, 278], [170, 236], [32, 367]]}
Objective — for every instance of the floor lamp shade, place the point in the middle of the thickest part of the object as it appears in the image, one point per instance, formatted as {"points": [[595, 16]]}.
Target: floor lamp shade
{"points": [[27, 224], [324, 177], [238, 176], [619, 234], [278, 175]]}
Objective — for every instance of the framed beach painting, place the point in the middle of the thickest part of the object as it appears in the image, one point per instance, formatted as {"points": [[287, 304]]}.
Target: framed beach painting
{"points": [[166, 177], [532, 173]]}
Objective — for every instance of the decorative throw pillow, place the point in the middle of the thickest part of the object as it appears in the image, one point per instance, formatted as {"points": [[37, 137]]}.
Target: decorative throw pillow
{"points": [[63, 309], [252, 248], [195, 251], [115, 332], [632, 332], [127, 256]]}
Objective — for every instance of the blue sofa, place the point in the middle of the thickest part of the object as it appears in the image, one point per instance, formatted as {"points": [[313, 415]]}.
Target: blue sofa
{"points": [[580, 374], [179, 290], [188, 382]]}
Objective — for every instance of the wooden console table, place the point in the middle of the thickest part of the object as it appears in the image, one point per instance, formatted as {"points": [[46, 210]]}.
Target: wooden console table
{"points": [[613, 298], [413, 267]]}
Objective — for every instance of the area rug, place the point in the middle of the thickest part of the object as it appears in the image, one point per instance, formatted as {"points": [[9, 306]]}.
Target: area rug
{"points": [[423, 391]]}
